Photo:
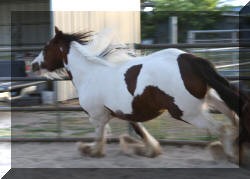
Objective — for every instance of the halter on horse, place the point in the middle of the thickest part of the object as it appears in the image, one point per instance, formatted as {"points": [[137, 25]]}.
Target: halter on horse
{"points": [[139, 90]]}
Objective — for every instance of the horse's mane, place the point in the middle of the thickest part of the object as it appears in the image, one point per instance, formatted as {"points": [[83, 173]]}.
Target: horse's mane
{"points": [[114, 53], [80, 37], [88, 38], [117, 48], [106, 45]]}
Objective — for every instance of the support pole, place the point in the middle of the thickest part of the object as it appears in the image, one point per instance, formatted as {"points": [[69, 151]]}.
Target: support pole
{"points": [[173, 32]]}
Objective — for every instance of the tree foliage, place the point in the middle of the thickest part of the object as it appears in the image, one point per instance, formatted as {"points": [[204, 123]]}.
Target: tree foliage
{"points": [[185, 5], [192, 15]]}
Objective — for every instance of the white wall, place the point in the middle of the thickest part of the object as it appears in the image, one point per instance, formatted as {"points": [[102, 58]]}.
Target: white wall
{"points": [[95, 5]]}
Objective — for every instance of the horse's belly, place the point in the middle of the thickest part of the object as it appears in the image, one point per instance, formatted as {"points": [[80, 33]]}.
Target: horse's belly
{"points": [[148, 105]]}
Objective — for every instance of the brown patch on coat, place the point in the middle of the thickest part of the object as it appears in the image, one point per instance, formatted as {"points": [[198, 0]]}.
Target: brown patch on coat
{"points": [[150, 104], [193, 81], [52, 57], [131, 77]]}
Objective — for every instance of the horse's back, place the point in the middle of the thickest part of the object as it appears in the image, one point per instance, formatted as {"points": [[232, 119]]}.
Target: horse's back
{"points": [[160, 69], [165, 60], [169, 54]]}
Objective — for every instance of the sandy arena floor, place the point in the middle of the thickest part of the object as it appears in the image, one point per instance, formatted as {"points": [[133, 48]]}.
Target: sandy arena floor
{"points": [[65, 155]]}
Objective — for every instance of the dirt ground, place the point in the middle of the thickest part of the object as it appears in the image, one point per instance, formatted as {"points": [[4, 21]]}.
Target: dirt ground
{"points": [[5, 158], [65, 155]]}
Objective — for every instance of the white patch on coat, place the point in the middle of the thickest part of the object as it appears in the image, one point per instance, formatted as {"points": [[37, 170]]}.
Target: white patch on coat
{"points": [[39, 59]]}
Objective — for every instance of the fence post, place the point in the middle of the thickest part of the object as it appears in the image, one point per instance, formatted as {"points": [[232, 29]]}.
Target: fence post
{"points": [[58, 115], [191, 37], [235, 55], [173, 25]]}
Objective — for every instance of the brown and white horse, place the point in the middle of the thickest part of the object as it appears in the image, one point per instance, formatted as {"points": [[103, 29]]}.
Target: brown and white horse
{"points": [[140, 89]]}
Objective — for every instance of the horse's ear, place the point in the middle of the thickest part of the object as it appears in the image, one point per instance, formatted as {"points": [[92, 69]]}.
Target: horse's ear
{"points": [[57, 31]]}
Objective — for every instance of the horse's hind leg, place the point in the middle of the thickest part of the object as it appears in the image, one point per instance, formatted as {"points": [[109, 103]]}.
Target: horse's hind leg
{"points": [[213, 99], [148, 147], [226, 133]]}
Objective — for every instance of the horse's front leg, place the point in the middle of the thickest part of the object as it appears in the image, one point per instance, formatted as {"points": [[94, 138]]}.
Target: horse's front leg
{"points": [[96, 148]]}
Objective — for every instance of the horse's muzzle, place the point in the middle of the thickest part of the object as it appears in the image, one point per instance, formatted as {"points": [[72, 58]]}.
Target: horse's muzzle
{"points": [[35, 67]]}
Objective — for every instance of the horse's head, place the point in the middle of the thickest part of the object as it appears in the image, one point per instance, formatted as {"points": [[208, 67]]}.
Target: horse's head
{"points": [[54, 54]]}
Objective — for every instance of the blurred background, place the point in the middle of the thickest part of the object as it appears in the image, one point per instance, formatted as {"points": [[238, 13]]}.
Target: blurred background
{"points": [[45, 109]]}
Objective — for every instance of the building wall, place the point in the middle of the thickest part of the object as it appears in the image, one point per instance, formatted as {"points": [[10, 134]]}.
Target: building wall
{"points": [[125, 23], [19, 30], [7, 7]]}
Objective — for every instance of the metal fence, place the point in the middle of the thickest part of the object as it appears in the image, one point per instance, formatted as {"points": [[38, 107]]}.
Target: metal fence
{"points": [[229, 36], [57, 107]]}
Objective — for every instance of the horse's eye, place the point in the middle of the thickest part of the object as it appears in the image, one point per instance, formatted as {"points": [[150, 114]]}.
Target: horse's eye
{"points": [[45, 49], [44, 52]]}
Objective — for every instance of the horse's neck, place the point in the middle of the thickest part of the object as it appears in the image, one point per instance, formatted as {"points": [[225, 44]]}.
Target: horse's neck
{"points": [[78, 66], [83, 67]]}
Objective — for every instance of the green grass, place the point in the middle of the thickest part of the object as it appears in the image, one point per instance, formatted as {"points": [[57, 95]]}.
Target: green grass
{"points": [[18, 126], [5, 132], [81, 133], [42, 130], [73, 125], [33, 136], [5, 57], [199, 138]]}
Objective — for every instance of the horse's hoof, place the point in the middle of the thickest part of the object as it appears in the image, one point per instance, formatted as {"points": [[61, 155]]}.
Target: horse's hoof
{"points": [[217, 151], [146, 152], [89, 150], [149, 150], [125, 144], [130, 146], [97, 154]]}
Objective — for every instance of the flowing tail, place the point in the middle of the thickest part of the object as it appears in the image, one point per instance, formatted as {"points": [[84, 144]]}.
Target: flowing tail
{"points": [[234, 98], [244, 135]]}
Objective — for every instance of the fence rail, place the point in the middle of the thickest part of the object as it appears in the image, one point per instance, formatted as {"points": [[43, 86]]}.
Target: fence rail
{"points": [[144, 46], [41, 108], [109, 140], [187, 45], [20, 49], [192, 35], [12, 79], [18, 86]]}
